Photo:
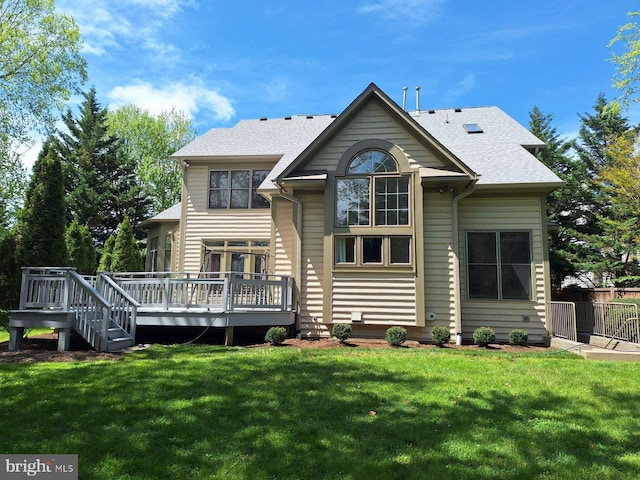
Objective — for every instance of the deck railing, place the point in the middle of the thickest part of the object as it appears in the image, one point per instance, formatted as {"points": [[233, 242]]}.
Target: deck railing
{"points": [[64, 289], [562, 320], [228, 291]]}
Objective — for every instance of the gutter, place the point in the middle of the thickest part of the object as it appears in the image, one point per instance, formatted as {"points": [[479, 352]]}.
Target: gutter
{"points": [[298, 272], [457, 316]]}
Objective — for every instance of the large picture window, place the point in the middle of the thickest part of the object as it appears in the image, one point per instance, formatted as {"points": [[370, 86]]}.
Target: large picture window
{"points": [[499, 265], [372, 179], [236, 189]]}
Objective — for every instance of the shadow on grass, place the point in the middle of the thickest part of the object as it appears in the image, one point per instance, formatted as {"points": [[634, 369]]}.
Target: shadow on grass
{"points": [[214, 412]]}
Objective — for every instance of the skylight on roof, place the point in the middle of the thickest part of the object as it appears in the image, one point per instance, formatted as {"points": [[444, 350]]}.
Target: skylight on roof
{"points": [[472, 128]]}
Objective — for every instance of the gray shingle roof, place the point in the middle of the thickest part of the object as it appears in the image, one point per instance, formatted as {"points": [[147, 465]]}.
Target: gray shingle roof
{"points": [[497, 154], [171, 213]]}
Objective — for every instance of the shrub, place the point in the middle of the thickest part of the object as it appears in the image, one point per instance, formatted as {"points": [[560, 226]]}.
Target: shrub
{"points": [[341, 331], [483, 336], [4, 321], [396, 336], [518, 337], [440, 335], [276, 335]]}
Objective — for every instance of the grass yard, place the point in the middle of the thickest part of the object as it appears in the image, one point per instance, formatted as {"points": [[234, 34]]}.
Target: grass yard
{"points": [[4, 335], [201, 412]]}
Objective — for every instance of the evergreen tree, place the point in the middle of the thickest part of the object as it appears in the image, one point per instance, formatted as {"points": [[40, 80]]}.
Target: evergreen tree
{"points": [[126, 253], [42, 221], [594, 239], [561, 205], [10, 273], [82, 253], [100, 181], [106, 259]]}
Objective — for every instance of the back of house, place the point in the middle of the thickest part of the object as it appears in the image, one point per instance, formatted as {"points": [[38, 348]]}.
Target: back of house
{"points": [[381, 216]]}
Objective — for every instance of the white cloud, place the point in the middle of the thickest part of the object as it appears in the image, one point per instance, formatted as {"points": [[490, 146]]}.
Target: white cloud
{"points": [[410, 11], [461, 88], [191, 99], [107, 25]]}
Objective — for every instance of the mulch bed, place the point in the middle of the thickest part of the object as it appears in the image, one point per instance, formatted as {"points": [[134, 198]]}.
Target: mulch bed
{"points": [[43, 348]]}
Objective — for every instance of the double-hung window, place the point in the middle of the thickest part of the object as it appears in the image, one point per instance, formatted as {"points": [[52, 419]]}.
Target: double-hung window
{"points": [[499, 265], [236, 189]]}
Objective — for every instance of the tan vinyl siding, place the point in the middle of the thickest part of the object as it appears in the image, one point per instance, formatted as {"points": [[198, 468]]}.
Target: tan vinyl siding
{"points": [[386, 299], [439, 260], [211, 224], [284, 237], [312, 289], [510, 214], [373, 122]]}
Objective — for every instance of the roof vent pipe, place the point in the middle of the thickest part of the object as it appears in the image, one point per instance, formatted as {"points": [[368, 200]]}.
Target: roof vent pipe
{"points": [[418, 99], [404, 98]]}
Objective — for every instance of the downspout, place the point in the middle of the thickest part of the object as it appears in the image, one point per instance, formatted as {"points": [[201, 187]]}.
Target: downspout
{"points": [[298, 228], [456, 267]]}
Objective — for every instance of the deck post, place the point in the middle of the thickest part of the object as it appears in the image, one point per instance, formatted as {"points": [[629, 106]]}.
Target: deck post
{"points": [[228, 336], [15, 338], [64, 339]]}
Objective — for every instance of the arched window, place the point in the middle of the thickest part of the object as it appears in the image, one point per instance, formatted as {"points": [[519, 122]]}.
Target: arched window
{"points": [[372, 182]]}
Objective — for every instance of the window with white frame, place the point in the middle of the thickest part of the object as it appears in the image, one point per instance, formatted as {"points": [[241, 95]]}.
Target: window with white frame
{"points": [[499, 265], [236, 189]]}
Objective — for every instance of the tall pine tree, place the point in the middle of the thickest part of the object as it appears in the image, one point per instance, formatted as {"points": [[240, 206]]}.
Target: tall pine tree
{"points": [[100, 181], [561, 205], [42, 221], [598, 254]]}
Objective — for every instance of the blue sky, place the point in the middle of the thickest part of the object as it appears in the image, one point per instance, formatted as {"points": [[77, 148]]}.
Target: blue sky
{"points": [[222, 61]]}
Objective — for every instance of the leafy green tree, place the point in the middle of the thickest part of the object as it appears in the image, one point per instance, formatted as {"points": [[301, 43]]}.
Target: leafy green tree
{"points": [[13, 180], [149, 141], [42, 221], [100, 181], [625, 55], [82, 253], [126, 253], [40, 64], [620, 178], [561, 203], [106, 259]]}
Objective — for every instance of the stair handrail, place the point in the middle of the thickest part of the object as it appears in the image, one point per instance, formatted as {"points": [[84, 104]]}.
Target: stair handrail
{"points": [[90, 309], [124, 308]]}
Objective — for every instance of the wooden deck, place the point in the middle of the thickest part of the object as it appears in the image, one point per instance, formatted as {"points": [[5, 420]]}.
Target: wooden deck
{"points": [[115, 303]]}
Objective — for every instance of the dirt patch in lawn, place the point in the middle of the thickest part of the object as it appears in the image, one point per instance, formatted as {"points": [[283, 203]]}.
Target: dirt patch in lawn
{"points": [[43, 348]]}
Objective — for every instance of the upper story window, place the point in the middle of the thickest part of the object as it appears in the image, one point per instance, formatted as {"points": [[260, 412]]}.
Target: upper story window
{"points": [[236, 189], [372, 192]]}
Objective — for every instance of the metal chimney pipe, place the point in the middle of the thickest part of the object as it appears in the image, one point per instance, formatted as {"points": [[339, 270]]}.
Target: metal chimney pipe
{"points": [[404, 98], [418, 99]]}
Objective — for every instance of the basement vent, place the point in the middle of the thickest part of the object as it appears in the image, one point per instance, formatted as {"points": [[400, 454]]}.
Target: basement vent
{"points": [[472, 128]]}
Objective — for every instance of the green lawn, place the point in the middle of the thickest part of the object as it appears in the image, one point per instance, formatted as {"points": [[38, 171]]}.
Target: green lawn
{"points": [[199, 412], [4, 335]]}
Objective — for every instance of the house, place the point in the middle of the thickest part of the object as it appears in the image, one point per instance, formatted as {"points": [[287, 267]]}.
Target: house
{"points": [[380, 216]]}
